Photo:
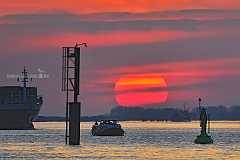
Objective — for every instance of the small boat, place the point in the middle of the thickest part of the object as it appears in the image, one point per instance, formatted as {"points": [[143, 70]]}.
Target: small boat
{"points": [[107, 128]]}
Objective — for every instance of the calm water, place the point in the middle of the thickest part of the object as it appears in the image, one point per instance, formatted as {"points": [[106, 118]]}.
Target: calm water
{"points": [[143, 140]]}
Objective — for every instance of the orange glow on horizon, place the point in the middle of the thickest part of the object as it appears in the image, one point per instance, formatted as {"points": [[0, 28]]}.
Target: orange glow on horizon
{"points": [[133, 90], [96, 6]]}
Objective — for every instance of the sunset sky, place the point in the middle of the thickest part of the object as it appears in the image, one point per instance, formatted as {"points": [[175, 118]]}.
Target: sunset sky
{"points": [[141, 52]]}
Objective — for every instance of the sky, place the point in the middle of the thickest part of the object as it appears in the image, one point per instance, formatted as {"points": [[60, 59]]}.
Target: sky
{"points": [[140, 52]]}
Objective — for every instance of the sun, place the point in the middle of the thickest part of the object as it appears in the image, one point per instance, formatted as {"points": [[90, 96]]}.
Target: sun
{"points": [[141, 90]]}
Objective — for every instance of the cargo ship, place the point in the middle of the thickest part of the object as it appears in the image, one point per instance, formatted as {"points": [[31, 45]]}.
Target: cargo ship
{"points": [[19, 105]]}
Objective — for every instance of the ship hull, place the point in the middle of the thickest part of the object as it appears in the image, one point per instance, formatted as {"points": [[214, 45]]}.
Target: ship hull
{"points": [[19, 106], [18, 119]]}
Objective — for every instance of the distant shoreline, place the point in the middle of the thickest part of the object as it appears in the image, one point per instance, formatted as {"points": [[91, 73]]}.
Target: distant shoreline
{"points": [[121, 113], [84, 119]]}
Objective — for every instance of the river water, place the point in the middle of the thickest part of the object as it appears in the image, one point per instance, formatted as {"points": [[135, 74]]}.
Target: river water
{"points": [[143, 140]]}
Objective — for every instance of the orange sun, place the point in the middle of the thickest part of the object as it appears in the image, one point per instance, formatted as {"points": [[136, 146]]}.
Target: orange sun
{"points": [[138, 90]]}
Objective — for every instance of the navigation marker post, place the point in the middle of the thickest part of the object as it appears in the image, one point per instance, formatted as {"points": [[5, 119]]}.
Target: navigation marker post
{"points": [[70, 83]]}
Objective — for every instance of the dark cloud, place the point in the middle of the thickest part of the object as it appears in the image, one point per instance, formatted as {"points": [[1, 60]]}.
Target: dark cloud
{"points": [[187, 20]]}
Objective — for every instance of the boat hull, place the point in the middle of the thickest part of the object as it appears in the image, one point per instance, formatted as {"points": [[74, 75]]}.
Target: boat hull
{"points": [[108, 132]]}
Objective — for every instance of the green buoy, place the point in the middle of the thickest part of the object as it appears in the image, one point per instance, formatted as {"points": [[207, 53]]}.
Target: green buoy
{"points": [[203, 138]]}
